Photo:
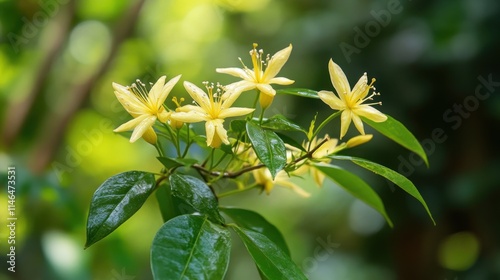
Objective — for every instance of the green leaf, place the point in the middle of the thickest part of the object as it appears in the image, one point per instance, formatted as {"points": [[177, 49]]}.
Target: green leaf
{"points": [[280, 122], [196, 195], [396, 131], [356, 186], [254, 221], [170, 163], [392, 176], [165, 202], [303, 92], [269, 148], [238, 126], [190, 247], [115, 201], [290, 141], [272, 262]]}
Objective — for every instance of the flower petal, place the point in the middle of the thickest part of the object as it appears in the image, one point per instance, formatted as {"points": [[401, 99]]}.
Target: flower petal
{"points": [[141, 128], [276, 63], [358, 123], [210, 132], [234, 112], [165, 90], [155, 92], [331, 100], [234, 71], [266, 89], [240, 87], [339, 80], [345, 121], [130, 125], [150, 136], [129, 100], [189, 117], [198, 95], [281, 81], [369, 112], [361, 89]]}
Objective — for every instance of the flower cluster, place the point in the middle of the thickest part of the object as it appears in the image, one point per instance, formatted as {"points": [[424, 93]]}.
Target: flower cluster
{"points": [[214, 105]]}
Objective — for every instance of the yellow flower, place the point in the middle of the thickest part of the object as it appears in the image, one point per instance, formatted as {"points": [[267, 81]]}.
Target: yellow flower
{"points": [[351, 101], [212, 109], [320, 154], [146, 107], [258, 77], [263, 177]]}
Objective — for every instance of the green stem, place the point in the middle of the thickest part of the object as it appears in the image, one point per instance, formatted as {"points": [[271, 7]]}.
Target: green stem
{"points": [[255, 103], [174, 138], [236, 191], [325, 122], [158, 148], [188, 142]]}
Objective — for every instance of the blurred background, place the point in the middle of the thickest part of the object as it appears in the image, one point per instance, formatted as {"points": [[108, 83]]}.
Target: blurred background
{"points": [[436, 64]]}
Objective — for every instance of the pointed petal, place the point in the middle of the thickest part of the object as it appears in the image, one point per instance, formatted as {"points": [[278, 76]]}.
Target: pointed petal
{"points": [[210, 132], [141, 128], [229, 97], [276, 62], [233, 71], [234, 112], [189, 117], [128, 100], [339, 80], [345, 121], [281, 81], [361, 89], [358, 123], [221, 132], [369, 112], [155, 91], [165, 90], [189, 108], [266, 89], [240, 86], [331, 100], [283, 180], [130, 125], [198, 95]]}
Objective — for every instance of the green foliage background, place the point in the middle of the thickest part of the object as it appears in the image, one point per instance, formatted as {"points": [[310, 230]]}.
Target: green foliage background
{"points": [[57, 62]]}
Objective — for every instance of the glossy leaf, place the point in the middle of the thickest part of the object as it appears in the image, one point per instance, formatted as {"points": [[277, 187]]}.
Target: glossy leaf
{"points": [[272, 262], [356, 186], [115, 201], [291, 141], [303, 92], [279, 122], [396, 131], [190, 247], [238, 126], [176, 162], [254, 221], [392, 176], [192, 193], [270, 149], [165, 202]]}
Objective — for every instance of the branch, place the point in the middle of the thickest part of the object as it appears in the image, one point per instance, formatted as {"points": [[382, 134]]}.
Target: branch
{"points": [[232, 175]]}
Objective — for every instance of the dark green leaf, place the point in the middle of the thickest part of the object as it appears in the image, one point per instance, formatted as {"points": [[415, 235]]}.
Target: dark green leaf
{"points": [[399, 134], [279, 122], [238, 126], [190, 247], [196, 194], [390, 175], [272, 262], [303, 92], [290, 141], [269, 148], [115, 201], [357, 187], [254, 221], [170, 163], [165, 202]]}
